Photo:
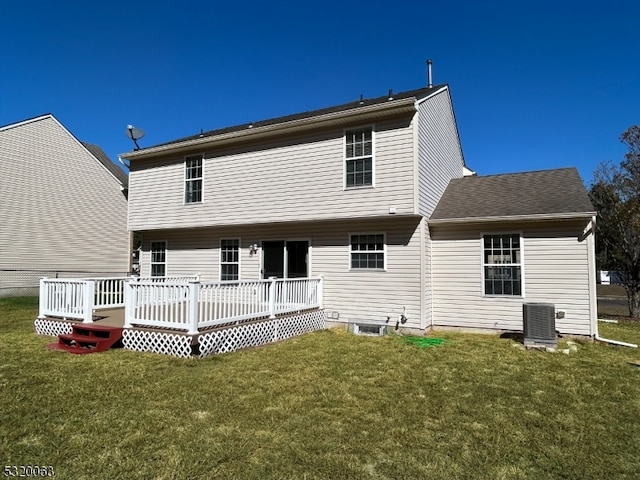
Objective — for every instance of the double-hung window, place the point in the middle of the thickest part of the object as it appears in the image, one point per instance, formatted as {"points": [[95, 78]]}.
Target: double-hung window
{"points": [[359, 157], [159, 259], [193, 179], [368, 251], [502, 264], [229, 259]]}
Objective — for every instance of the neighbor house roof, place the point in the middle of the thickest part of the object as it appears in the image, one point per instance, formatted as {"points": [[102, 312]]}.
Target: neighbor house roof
{"points": [[392, 103], [543, 194], [103, 158]]}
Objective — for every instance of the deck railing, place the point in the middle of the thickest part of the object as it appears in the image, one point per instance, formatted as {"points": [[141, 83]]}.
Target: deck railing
{"points": [[196, 305], [79, 298], [67, 298]]}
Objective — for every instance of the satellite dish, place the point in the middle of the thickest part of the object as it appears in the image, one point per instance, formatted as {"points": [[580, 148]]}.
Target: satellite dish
{"points": [[134, 134]]}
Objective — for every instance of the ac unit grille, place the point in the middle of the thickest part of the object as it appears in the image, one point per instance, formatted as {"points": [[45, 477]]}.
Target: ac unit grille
{"points": [[539, 323]]}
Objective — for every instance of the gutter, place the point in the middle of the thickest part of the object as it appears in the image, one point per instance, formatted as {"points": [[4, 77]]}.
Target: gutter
{"points": [[512, 218], [613, 342]]}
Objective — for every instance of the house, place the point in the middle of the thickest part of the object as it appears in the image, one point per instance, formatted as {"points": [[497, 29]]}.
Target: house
{"points": [[63, 207], [369, 195]]}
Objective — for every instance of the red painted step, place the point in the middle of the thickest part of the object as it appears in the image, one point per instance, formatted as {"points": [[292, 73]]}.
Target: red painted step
{"points": [[88, 338]]}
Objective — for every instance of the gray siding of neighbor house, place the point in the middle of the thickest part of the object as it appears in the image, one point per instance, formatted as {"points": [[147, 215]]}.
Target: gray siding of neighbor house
{"points": [[60, 209], [354, 294], [295, 179], [555, 259]]}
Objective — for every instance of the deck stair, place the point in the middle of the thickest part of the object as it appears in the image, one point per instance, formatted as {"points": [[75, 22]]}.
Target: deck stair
{"points": [[88, 338]]}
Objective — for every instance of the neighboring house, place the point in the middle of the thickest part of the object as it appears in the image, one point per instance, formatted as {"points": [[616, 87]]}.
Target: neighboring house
{"points": [[345, 193], [63, 206]]}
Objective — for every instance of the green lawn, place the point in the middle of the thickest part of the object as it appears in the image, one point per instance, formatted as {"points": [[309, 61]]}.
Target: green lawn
{"points": [[327, 405]]}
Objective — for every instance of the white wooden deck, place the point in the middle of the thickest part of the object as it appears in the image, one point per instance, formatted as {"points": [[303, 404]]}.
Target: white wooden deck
{"points": [[183, 317]]}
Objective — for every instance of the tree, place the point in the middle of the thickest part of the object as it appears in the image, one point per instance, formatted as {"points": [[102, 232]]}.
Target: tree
{"points": [[615, 193]]}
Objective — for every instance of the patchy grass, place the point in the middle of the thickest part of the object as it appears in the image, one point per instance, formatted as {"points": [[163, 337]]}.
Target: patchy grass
{"points": [[325, 405]]}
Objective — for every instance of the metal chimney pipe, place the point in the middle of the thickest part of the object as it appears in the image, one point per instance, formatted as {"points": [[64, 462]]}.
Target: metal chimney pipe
{"points": [[429, 77]]}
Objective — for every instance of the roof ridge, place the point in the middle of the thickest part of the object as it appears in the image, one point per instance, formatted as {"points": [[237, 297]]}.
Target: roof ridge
{"points": [[527, 172], [361, 102]]}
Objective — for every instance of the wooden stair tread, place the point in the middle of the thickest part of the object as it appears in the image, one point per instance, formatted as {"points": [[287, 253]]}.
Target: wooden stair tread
{"points": [[88, 338]]}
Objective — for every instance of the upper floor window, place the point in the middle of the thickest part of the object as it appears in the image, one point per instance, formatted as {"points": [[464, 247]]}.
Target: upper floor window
{"points": [[368, 251], [229, 259], [159, 259], [359, 157], [193, 179], [502, 263]]}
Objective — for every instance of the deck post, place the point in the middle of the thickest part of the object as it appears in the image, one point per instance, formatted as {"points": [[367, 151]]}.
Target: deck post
{"points": [[192, 307], [129, 303], [88, 301], [272, 297], [43, 296], [320, 293]]}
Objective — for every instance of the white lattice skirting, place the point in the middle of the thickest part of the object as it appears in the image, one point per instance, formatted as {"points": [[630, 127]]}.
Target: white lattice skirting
{"points": [[157, 342], [225, 340], [53, 328], [259, 333]]}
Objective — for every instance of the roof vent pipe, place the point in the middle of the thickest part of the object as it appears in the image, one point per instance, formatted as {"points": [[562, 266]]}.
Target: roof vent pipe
{"points": [[429, 77]]}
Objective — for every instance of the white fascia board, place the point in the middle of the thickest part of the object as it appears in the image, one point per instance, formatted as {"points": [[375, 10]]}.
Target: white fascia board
{"points": [[25, 122], [390, 107], [432, 94], [513, 218]]}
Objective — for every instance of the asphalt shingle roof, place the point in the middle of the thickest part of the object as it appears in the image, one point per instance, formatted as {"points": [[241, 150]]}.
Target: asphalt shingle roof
{"points": [[104, 159], [543, 192], [417, 93]]}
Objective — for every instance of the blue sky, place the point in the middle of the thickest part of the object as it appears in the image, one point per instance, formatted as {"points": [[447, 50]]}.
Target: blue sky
{"points": [[535, 85]]}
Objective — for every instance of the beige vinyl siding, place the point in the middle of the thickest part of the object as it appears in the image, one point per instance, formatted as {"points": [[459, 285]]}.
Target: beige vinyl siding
{"points": [[555, 270], [439, 151], [354, 294], [427, 275], [297, 179], [60, 209], [439, 160]]}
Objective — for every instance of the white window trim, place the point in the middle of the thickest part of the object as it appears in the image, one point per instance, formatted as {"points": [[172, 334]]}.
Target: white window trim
{"points": [[522, 269], [373, 157], [184, 179], [384, 258], [166, 256], [220, 263]]}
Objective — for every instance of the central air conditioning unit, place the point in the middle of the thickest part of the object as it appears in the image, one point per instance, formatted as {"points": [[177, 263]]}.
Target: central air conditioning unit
{"points": [[539, 324]]}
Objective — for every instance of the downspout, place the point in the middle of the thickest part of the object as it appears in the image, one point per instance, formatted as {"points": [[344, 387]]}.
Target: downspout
{"points": [[591, 262], [614, 342]]}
